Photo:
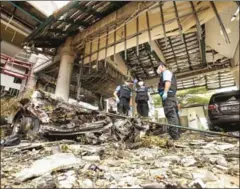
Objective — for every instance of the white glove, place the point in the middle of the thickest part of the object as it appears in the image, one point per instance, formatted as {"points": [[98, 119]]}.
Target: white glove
{"points": [[117, 100], [149, 105]]}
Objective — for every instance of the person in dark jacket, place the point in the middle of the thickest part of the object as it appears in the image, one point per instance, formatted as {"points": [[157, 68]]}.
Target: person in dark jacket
{"points": [[167, 88], [123, 95], [142, 99]]}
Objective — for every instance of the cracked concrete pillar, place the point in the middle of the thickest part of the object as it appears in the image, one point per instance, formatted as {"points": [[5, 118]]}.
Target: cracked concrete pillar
{"points": [[65, 71]]}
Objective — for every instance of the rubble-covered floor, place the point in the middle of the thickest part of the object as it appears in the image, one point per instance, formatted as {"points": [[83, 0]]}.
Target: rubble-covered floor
{"points": [[196, 161]]}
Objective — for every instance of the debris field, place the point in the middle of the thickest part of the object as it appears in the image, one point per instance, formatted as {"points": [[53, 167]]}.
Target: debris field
{"points": [[104, 152]]}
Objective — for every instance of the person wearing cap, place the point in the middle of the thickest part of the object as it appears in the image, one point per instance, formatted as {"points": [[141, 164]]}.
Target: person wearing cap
{"points": [[142, 99], [167, 88], [123, 95]]}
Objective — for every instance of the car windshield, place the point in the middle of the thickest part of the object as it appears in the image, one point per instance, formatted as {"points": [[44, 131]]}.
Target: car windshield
{"points": [[227, 98]]}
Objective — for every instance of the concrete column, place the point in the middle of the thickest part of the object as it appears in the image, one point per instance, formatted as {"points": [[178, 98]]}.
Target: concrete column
{"points": [[235, 72], [65, 71]]}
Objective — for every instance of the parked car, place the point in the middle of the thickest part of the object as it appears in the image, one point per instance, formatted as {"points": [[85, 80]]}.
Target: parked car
{"points": [[223, 111]]}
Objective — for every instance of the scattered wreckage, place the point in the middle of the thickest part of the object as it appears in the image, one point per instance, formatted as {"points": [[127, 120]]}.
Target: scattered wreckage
{"points": [[43, 116], [108, 152]]}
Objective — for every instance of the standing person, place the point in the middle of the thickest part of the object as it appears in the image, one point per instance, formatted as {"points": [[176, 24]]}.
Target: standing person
{"points": [[142, 99], [123, 95], [167, 89]]}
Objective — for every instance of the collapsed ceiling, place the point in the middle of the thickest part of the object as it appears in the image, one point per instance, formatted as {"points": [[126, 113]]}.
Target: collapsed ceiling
{"points": [[71, 19], [176, 28]]}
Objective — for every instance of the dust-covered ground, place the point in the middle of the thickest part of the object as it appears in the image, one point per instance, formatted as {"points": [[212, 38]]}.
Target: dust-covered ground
{"points": [[196, 161]]}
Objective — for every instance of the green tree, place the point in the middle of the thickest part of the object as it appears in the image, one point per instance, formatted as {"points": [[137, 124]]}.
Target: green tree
{"points": [[186, 97]]}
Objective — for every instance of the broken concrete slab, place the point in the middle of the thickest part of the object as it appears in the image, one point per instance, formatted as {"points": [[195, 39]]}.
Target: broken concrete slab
{"points": [[66, 180], [91, 158], [205, 175], [198, 183], [49, 164], [172, 158], [188, 161]]}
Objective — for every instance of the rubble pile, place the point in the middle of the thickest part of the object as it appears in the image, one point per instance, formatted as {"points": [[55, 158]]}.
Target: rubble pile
{"points": [[109, 152], [45, 117], [201, 163]]}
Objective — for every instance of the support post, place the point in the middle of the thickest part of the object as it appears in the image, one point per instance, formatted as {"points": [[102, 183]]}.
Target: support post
{"points": [[65, 71]]}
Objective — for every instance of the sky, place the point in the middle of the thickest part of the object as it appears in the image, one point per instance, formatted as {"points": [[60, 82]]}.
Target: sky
{"points": [[48, 7]]}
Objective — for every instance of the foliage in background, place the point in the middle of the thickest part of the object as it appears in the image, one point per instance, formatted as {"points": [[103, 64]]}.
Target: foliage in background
{"points": [[187, 97], [10, 105]]}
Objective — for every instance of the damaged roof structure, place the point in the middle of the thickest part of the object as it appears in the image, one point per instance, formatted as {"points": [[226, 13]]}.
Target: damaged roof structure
{"points": [[95, 46], [111, 41]]}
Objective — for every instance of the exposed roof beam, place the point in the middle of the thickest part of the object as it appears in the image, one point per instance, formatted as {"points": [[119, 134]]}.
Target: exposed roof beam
{"points": [[121, 14], [14, 28], [150, 57], [220, 22], [163, 22], [119, 64], [158, 51], [174, 56], [141, 65], [33, 17], [89, 10], [188, 75], [188, 24], [181, 34], [77, 22]]}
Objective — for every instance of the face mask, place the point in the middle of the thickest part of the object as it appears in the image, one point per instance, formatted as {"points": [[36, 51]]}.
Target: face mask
{"points": [[158, 71], [140, 83]]}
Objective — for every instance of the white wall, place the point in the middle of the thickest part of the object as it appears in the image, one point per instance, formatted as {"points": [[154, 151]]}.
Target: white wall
{"points": [[7, 82], [9, 49], [186, 111]]}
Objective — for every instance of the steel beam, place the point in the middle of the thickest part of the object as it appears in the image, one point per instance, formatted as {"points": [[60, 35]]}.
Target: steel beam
{"points": [[131, 38], [141, 65], [15, 5], [178, 21], [97, 60], [220, 22], [149, 56], [125, 41], [188, 57], [174, 56], [163, 23], [89, 10], [137, 38], [200, 38], [77, 22], [106, 50], [149, 31]]}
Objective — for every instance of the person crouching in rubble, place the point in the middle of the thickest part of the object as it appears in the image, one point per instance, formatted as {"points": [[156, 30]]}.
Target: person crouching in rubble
{"points": [[142, 99], [123, 95], [167, 88]]}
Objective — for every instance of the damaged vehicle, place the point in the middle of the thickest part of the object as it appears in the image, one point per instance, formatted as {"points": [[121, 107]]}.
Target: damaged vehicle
{"points": [[223, 111], [45, 117]]}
